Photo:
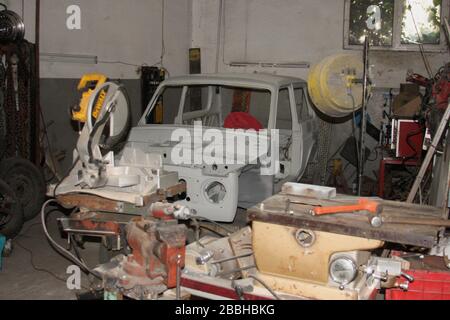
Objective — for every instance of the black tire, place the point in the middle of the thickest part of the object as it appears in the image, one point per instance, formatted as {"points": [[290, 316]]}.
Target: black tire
{"points": [[28, 183], [11, 212]]}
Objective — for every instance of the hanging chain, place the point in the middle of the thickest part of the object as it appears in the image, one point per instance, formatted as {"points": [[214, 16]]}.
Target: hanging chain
{"points": [[17, 102]]}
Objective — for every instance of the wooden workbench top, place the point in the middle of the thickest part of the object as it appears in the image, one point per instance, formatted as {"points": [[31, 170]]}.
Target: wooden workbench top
{"points": [[294, 210]]}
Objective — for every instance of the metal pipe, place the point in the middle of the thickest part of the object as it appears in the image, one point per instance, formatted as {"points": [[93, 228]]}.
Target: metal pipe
{"points": [[39, 114], [178, 285], [232, 258], [224, 273], [363, 116]]}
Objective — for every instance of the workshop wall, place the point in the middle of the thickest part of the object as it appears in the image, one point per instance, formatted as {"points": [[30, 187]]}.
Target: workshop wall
{"points": [[288, 31], [295, 31], [122, 38]]}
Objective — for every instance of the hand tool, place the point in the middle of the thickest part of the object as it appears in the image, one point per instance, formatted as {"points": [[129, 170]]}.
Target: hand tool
{"points": [[362, 205]]}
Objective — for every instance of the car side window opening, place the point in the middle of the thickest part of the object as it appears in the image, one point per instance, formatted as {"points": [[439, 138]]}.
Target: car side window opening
{"points": [[303, 111], [170, 98], [245, 108], [213, 105], [284, 112], [197, 98]]}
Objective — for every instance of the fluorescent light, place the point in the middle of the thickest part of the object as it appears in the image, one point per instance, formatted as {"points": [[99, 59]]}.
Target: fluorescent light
{"points": [[303, 65], [68, 58]]}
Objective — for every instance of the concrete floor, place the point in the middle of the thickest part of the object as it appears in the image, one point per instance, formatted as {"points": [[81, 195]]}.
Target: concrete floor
{"points": [[20, 281]]}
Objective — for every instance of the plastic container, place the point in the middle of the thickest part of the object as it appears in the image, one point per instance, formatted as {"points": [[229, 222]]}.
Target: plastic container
{"points": [[427, 285]]}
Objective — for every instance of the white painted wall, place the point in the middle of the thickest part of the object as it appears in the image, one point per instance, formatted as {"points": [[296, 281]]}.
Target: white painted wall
{"points": [[289, 31], [256, 30], [114, 30]]}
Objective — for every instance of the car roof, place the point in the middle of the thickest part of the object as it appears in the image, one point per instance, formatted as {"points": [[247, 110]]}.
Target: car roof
{"points": [[262, 80]]}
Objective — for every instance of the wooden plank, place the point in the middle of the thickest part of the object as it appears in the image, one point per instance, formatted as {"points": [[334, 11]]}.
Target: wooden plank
{"points": [[308, 190], [388, 206]]}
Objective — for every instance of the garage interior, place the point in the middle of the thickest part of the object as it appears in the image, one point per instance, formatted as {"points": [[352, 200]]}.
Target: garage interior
{"points": [[218, 149]]}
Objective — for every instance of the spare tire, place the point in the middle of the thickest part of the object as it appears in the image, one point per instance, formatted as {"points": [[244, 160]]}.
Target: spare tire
{"points": [[11, 212], [27, 182]]}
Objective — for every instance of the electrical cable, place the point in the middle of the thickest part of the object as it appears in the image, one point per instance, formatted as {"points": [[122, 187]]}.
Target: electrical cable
{"points": [[277, 297], [419, 37], [230, 231], [39, 269], [163, 46], [197, 232], [163, 43], [50, 151], [58, 247], [219, 35], [24, 233], [210, 228], [358, 152], [74, 246], [68, 173]]}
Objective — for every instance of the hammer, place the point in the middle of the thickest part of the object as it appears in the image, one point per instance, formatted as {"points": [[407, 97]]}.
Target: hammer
{"points": [[363, 205]]}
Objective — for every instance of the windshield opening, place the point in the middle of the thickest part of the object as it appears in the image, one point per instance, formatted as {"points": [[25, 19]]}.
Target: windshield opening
{"points": [[214, 106]]}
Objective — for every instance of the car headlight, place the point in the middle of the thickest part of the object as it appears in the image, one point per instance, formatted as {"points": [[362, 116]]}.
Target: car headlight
{"points": [[215, 192], [343, 270]]}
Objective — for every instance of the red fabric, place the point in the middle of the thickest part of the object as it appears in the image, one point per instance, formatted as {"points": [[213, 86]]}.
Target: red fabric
{"points": [[242, 120]]}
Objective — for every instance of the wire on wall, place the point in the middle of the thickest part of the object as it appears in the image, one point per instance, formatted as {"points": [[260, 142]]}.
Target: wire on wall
{"points": [[219, 33], [163, 43], [95, 60]]}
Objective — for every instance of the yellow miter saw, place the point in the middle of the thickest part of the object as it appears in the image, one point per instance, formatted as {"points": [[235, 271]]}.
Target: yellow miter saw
{"points": [[87, 85], [104, 109]]}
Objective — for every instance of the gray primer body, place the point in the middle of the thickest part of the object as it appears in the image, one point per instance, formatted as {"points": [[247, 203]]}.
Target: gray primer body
{"points": [[244, 185], [145, 163]]}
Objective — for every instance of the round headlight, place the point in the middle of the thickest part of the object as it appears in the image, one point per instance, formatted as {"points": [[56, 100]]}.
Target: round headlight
{"points": [[343, 270], [215, 192]]}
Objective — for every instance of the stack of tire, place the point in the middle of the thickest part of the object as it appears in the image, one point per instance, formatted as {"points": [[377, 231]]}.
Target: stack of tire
{"points": [[22, 193]]}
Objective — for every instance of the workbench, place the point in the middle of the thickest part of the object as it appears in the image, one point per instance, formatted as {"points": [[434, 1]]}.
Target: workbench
{"points": [[293, 210]]}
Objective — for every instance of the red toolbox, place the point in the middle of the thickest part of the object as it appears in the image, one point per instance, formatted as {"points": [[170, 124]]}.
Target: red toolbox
{"points": [[427, 285]]}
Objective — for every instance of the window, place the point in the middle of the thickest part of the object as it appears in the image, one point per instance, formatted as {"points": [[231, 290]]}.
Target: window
{"points": [[197, 98], [255, 102], [211, 104], [396, 24], [425, 16], [284, 113], [303, 111], [377, 16], [170, 98]]}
